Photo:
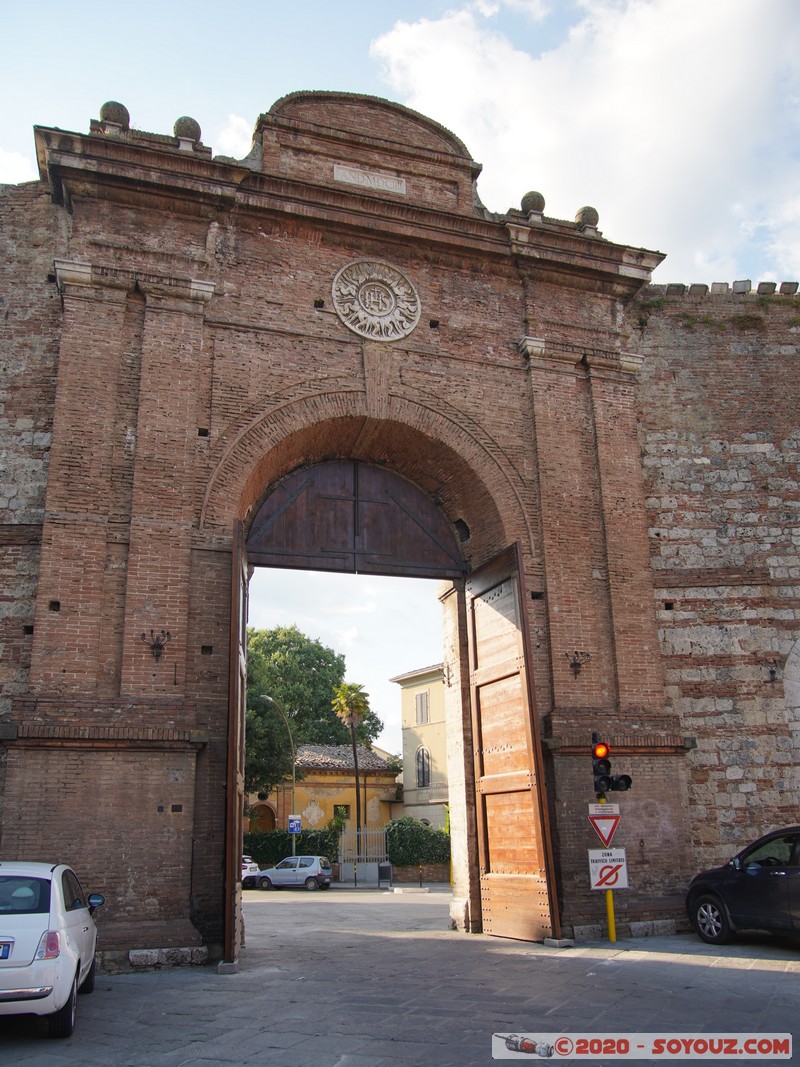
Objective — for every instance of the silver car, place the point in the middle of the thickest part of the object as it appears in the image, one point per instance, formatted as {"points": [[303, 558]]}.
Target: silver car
{"points": [[47, 942], [313, 872]]}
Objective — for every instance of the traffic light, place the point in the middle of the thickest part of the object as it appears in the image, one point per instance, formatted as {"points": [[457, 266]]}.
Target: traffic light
{"points": [[601, 766], [604, 780]]}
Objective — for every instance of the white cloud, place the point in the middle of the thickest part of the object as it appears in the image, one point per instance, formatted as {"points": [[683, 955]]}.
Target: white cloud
{"points": [[15, 168], [535, 9], [235, 138], [663, 114]]}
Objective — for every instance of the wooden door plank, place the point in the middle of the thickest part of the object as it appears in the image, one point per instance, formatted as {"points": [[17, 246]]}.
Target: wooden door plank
{"points": [[516, 875]]}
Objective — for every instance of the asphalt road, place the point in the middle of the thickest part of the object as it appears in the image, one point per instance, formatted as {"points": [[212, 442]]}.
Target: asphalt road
{"points": [[366, 978]]}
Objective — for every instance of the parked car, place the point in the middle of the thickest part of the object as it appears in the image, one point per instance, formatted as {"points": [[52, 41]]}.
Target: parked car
{"points": [[314, 872], [249, 872], [759, 889], [47, 942]]}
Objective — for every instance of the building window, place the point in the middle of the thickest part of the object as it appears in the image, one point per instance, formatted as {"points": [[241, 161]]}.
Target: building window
{"points": [[422, 707], [423, 768]]}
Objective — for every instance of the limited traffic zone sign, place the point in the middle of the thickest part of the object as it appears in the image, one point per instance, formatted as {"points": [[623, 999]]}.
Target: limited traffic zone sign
{"points": [[608, 868]]}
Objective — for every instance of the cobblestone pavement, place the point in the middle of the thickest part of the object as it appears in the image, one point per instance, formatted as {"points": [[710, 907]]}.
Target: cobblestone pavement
{"points": [[359, 978]]}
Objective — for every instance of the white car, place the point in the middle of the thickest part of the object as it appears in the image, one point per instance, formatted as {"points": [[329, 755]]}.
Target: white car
{"points": [[249, 872], [47, 942]]}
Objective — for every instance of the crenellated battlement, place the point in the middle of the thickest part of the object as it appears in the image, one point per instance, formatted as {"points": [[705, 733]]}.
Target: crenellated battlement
{"points": [[738, 288]]}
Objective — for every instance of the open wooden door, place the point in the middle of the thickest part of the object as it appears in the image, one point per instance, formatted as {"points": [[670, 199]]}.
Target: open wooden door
{"points": [[237, 697], [514, 849]]}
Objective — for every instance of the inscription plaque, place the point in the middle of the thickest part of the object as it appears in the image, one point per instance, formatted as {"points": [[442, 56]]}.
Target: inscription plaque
{"points": [[368, 179]]}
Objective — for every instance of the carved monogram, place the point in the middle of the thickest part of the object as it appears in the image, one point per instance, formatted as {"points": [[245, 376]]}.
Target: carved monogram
{"points": [[375, 300]]}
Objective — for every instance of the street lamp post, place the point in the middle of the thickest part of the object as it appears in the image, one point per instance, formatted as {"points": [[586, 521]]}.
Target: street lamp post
{"points": [[282, 713]]}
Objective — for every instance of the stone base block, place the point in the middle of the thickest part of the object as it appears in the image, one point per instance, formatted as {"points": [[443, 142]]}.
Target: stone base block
{"points": [[150, 958]]}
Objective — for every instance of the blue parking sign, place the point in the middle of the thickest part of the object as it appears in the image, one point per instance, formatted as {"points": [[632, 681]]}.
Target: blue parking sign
{"points": [[294, 824]]}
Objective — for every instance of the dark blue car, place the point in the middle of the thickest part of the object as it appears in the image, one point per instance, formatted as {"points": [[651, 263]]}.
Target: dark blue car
{"points": [[759, 889]]}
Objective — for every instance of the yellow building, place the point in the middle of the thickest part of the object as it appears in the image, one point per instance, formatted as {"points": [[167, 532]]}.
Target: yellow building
{"points": [[326, 784], [425, 791]]}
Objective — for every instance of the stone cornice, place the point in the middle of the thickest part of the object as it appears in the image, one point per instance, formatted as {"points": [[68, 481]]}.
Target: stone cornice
{"points": [[623, 745], [61, 735], [539, 352], [77, 273], [162, 177]]}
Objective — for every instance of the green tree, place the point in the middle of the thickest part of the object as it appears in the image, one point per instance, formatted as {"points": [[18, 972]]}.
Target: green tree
{"points": [[268, 753], [302, 675], [351, 705]]}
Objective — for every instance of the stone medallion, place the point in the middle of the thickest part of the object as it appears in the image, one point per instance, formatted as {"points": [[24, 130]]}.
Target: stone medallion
{"points": [[375, 300]]}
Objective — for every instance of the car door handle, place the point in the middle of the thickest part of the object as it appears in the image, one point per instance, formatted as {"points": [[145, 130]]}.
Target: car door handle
{"points": [[777, 874]]}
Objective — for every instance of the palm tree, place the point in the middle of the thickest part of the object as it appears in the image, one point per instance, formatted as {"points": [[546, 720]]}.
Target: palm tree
{"points": [[351, 704]]}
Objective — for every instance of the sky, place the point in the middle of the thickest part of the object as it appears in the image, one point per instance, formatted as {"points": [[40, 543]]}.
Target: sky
{"points": [[678, 120], [383, 627]]}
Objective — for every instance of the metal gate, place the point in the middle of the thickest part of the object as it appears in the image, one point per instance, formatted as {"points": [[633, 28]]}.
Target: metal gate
{"points": [[363, 858]]}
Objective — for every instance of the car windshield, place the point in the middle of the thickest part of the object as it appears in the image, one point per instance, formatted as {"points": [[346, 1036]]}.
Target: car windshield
{"points": [[23, 895], [777, 852]]}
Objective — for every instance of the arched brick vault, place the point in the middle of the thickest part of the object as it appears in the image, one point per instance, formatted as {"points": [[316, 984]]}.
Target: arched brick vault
{"points": [[450, 457]]}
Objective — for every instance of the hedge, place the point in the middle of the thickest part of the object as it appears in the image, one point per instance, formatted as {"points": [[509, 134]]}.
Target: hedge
{"points": [[268, 847], [410, 842]]}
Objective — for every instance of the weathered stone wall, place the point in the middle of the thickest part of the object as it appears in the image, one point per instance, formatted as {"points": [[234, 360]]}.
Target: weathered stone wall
{"points": [[31, 232], [720, 442]]}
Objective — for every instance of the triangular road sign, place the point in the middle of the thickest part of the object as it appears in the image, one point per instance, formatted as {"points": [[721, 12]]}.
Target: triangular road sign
{"points": [[605, 826]]}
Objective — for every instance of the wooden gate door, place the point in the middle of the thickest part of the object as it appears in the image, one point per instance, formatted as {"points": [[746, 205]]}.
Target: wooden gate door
{"points": [[514, 850], [237, 697]]}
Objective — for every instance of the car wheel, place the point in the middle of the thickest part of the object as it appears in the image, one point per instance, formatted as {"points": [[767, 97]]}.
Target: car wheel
{"points": [[62, 1022], [312, 883], [265, 883], [710, 921], [87, 985]]}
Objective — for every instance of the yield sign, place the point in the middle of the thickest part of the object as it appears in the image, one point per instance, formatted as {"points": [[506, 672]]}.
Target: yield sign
{"points": [[605, 826]]}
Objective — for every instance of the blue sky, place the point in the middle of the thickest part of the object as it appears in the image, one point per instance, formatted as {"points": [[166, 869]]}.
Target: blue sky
{"points": [[679, 120]]}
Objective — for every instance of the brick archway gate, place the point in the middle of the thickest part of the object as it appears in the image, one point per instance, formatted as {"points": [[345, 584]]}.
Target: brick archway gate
{"points": [[353, 517], [191, 330]]}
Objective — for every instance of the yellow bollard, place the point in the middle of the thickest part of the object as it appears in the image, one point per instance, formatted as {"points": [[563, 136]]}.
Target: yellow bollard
{"points": [[612, 924]]}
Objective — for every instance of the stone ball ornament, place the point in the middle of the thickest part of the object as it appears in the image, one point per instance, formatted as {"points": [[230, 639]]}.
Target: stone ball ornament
{"points": [[587, 216], [113, 111], [532, 203], [375, 300], [187, 127]]}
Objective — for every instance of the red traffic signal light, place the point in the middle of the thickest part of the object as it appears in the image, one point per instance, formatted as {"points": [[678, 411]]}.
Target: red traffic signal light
{"points": [[601, 767], [604, 781]]}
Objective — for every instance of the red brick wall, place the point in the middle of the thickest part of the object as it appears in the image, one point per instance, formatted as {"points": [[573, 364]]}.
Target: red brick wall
{"points": [[189, 369]]}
